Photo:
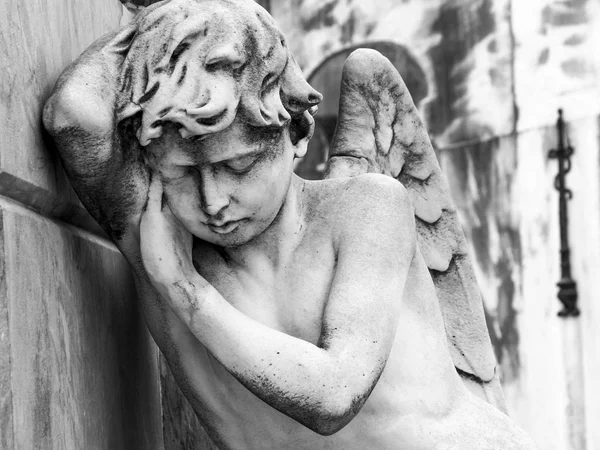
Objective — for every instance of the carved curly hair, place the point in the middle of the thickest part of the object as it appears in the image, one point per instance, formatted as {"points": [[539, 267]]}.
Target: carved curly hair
{"points": [[201, 63]]}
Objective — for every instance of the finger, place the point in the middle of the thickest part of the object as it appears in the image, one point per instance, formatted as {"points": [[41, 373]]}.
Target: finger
{"points": [[176, 223], [155, 193]]}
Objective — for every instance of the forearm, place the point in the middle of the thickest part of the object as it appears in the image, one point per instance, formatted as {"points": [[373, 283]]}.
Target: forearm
{"points": [[298, 378]]}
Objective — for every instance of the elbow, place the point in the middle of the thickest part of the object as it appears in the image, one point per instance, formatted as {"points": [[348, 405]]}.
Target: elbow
{"points": [[60, 110], [49, 115], [70, 107], [331, 418], [60, 113], [328, 426]]}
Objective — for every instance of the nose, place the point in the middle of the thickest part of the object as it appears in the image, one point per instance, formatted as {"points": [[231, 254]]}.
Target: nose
{"points": [[212, 196]]}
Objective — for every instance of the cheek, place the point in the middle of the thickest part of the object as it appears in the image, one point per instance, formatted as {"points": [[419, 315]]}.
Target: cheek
{"points": [[184, 201], [268, 191]]}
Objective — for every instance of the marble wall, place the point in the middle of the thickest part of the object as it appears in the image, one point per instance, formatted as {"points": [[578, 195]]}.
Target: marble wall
{"points": [[509, 209], [495, 73], [78, 368]]}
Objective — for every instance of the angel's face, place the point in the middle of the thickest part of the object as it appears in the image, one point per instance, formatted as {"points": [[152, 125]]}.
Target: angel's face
{"points": [[228, 187]]}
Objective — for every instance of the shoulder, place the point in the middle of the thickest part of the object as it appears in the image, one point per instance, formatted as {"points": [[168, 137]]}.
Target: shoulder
{"points": [[368, 204], [369, 196], [371, 187]]}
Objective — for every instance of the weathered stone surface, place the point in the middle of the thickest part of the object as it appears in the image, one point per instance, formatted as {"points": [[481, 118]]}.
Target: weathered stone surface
{"points": [[83, 368], [327, 77], [482, 178], [47, 203], [6, 404], [492, 67], [373, 97], [555, 60], [509, 208], [462, 48], [585, 239], [181, 427], [107, 376], [179, 133], [38, 39]]}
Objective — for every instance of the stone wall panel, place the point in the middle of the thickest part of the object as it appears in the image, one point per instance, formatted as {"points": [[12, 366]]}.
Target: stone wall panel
{"points": [[6, 411], [504, 191], [181, 427], [38, 40], [84, 371]]}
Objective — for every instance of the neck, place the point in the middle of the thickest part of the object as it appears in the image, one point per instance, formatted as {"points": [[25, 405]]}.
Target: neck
{"points": [[274, 246]]}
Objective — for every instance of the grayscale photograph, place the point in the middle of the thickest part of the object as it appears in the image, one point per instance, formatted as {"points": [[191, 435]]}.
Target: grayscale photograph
{"points": [[300, 225]]}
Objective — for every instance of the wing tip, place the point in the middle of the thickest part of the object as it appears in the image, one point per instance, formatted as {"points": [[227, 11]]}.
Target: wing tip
{"points": [[368, 65]]}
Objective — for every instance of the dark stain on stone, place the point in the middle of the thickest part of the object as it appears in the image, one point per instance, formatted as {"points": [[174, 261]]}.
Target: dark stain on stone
{"points": [[151, 93], [183, 74], [322, 18], [496, 75], [348, 28], [182, 429], [140, 2], [185, 289], [270, 52], [494, 338], [575, 40], [469, 376], [127, 77], [507, 346], [462, 25], [544, 55], [251, 48], [6, 403], [565, 13], [116, 199], [576, 67], [165, 111], [478, 162], [42, 433], [310, 412], [145, 76]]}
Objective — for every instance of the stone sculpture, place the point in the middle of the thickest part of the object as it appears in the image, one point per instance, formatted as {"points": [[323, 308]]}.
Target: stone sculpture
{"points": [[293, 314]]}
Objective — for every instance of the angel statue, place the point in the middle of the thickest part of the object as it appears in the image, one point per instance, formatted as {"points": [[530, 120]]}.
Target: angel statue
{"points": [[332, 314]]}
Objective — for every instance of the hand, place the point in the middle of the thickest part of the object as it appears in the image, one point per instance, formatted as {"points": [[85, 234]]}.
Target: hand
{"points": [[166, 246]]}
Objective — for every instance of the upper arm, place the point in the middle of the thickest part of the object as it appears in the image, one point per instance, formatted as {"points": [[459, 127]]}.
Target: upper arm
{"points": [[84, 94], [376, 248], [74, 105], [79, 115], [106, 173]]}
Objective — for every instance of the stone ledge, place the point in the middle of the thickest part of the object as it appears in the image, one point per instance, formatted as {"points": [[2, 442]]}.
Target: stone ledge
{"points": [[47, 203]]}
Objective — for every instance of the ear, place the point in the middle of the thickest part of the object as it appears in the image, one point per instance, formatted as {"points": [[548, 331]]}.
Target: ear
{"points": [[305, 132]]}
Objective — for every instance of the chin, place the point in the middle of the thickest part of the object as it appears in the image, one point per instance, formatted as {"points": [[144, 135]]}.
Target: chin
{"points": [[230, 240]]}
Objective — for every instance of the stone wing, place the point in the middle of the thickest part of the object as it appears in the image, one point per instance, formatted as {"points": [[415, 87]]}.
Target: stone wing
{"points": [[379, 130]]}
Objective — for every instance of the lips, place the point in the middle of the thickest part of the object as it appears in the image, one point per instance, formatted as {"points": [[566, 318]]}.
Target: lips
{"points": [[223, 227]]}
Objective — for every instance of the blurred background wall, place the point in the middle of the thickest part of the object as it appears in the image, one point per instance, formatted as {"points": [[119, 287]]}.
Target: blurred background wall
{"points": [[489, 76]]}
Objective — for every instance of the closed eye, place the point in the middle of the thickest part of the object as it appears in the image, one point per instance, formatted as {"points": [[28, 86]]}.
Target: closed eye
{"points": [[241, 165], [213, 120]]}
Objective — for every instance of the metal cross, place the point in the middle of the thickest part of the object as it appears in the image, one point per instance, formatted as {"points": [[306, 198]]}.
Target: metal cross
{"points": [[567, 292]]}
